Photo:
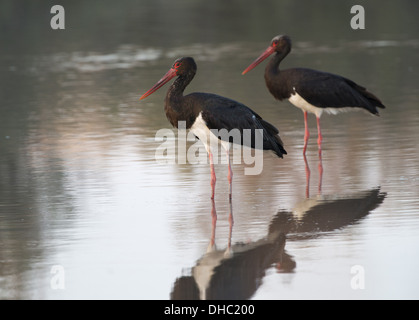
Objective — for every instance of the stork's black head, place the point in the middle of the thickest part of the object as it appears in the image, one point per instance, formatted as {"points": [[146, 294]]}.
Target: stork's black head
{"points": [[184, 68], [279, 44]]}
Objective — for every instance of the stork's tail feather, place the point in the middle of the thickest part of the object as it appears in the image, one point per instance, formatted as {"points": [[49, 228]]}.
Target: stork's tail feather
{"points": [[373, 101], [272, 140]]}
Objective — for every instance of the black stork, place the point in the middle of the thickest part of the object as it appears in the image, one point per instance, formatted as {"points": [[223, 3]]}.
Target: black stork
{"points": [[311, 90], [206, 114]]}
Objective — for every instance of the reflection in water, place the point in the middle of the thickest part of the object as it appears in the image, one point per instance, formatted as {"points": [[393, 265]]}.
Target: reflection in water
{"points": [[316, 215], [211, 246], [327, 213], [308, 174], [80, 187], [236, 272], [232, 273]]}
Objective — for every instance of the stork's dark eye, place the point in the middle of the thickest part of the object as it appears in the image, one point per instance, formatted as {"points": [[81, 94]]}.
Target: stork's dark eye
{"points": [[177, 65], [275, 43]]}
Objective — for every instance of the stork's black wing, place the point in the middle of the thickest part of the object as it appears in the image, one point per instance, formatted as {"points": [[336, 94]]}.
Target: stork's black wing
{"points": [[326, 90], [222, 113]]}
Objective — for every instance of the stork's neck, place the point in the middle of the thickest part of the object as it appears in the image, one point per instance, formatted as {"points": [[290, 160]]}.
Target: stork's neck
{"points": [[175, 106], [273, 65], [276, 81], [175, 93]]}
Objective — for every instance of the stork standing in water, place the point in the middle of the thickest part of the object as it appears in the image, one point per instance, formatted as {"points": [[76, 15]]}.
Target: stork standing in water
{"points": [[311, 90], [206, 113]]}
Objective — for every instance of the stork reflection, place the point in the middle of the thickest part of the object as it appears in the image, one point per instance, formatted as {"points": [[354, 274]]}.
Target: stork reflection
{"points": [[314, 216], [308, 174], [237, 271], [211, 246], [234, 272]]}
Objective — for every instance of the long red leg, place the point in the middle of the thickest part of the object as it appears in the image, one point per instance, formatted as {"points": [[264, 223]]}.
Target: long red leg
{"points": [[306, 133], [230, 174], [320, 167], [307, 177], [214, 223], [230, 233], [319, 134], [213, 178]]}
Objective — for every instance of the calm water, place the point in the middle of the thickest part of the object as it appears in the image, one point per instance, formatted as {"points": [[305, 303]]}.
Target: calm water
{"points": [[87, 212]]}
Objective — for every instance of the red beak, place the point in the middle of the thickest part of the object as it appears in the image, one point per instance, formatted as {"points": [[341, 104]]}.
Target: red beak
{"points": [[262, 57], [166, 78]]}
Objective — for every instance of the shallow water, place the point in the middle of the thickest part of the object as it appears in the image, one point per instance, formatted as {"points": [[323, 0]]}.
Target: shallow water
{"points": [[88, 212]]}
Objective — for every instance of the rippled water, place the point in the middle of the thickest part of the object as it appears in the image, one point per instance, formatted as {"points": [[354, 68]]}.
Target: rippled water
{"points": [[86, 211]]}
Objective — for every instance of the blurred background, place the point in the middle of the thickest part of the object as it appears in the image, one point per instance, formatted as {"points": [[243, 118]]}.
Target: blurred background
{"points": [[80, 187]]}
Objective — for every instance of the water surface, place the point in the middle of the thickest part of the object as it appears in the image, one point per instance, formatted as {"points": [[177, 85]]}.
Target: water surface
{"points": [[80, 187]]}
